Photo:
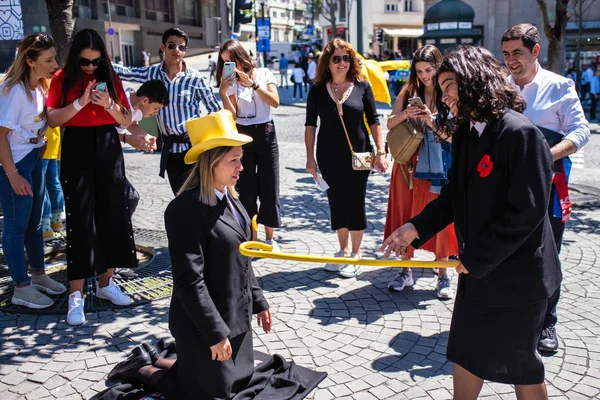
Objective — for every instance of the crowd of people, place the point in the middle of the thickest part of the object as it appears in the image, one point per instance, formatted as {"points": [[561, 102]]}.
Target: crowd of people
{"points": [[488, 185]]}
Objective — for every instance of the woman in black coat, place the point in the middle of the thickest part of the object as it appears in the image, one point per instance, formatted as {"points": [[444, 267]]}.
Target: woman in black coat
{"points": [[215, 291], [497, 197]]}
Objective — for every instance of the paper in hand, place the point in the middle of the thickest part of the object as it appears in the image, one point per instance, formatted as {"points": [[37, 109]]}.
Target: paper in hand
{"points": [[321, 184]]}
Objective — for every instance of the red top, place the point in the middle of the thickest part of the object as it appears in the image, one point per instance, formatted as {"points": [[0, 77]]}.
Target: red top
{"points": [[91, 114]]}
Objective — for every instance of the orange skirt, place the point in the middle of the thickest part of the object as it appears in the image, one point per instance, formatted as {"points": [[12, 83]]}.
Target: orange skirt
{"points": [[404, 204]]}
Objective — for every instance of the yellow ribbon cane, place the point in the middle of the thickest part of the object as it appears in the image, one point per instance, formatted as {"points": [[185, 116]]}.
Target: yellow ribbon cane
{"points": [[263, 250]]}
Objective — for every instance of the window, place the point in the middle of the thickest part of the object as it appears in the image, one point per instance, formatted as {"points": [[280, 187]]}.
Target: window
{"points": [[408, 5], [391, 7], [85, 9], [342, 8], [158, 10], [187, 12]]}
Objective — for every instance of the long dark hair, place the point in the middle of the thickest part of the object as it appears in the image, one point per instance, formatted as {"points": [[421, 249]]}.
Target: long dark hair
{"points": [[484, 91], [237, 54], [323, 73], [89, 39], [429, 54]]}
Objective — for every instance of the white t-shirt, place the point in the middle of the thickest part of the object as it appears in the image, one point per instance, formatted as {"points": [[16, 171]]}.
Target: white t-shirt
{"points": [[136, 115], [25, 118], [249, 104], [298, 75], [312, 70]]}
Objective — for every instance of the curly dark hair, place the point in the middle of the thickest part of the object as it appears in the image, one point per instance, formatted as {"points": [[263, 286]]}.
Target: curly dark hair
{"points": [[484, 91]]}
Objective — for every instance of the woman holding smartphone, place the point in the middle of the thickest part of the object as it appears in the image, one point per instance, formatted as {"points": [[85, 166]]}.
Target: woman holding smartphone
{"points": [[87, 99], [251, 94], [427, 169]]}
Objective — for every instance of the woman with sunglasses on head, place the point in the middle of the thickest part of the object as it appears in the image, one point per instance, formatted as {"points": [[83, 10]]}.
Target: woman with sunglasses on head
{"points": [[251, 94], [23, 92], [339, 82], [427, 170], [87, 99]]}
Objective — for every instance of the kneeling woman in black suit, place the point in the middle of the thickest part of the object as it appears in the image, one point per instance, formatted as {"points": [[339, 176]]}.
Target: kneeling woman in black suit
{"points": [[215, 291], [497, 197]]}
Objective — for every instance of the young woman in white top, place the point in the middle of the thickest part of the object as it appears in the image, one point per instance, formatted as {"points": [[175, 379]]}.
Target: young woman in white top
{"points": [[23, 94], [251, 94]]}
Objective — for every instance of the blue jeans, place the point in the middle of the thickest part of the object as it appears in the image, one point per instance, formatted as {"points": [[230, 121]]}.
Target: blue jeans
{"points": [[298, 86], [54, 200], [23, 219]]}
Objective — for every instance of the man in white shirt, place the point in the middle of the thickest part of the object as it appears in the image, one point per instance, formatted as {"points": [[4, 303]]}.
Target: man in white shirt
{"points": [[312, 69], [552, 105], [586, 81]]}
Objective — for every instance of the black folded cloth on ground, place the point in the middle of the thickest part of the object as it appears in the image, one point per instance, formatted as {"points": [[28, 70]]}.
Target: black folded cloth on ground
{"points": [[274, 378]]}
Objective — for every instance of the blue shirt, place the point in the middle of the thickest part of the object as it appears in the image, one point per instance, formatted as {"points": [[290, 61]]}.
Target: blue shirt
{"points": [[283, 63], [186, 91]]}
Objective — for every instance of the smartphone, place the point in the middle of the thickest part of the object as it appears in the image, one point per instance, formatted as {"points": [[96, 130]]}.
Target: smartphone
{"points": [[101, 86], [228, 69], [416, 102]]}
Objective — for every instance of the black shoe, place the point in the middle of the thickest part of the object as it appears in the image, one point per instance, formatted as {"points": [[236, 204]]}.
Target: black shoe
{"points": [[128, 369], [548, 340], [152, 352], [125, 273]]}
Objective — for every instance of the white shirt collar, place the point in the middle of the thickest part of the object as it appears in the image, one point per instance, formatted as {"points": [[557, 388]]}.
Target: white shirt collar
{"points": [[480, 126], [220, 194]]}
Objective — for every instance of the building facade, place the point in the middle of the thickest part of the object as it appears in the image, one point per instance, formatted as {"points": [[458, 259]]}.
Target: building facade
{"points": [[137, 25]]}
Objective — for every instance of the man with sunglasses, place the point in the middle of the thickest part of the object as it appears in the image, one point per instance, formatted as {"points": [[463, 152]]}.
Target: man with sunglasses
{"points": [[187, 89], [552, 105]]}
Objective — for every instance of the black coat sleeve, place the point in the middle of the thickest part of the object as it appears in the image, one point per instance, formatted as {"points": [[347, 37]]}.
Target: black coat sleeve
{"points": [[312, 106], [530, 179], [186, 241], [259, 303], [435, 216], [369, 105]]}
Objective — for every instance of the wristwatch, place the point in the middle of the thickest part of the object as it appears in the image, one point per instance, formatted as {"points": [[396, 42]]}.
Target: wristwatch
{"points": [[255, 86], [379, 151]]}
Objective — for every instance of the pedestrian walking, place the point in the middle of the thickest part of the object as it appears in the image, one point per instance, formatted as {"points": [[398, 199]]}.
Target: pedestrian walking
{"points": [[54, 199], [212, 66], [497, 197], [251, 95], [283, 70], [595, 93], [340, 99], [87, 100], [553, 106], [23, 93], [311, 70], [298, 74], [187, 90], [215, 291], [425, 174]]}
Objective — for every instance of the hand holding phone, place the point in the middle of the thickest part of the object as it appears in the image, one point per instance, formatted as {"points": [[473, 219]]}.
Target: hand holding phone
{"points": [[101, 86], [228, 69], [416, 102]]}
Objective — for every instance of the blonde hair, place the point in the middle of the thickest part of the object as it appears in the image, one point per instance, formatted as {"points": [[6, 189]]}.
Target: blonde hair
{"points": [[18, 72], [201, 176]]}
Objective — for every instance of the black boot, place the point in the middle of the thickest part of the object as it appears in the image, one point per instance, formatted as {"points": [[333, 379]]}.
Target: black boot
{"points": [[128, 369], [548, 340]]}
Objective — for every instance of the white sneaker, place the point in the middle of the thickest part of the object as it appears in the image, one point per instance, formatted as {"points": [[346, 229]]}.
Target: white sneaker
{"points": [[443, 289], [336, 267], [351, 270], [273, 242], [113, 294], [75, 315]]}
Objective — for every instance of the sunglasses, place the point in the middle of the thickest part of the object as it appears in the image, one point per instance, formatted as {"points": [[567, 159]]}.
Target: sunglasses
{"points": [[338, 59], [42, 39], [84, 62], [173, 46]]}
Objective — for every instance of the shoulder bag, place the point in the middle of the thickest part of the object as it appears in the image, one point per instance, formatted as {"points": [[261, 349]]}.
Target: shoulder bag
{"points": [[403, 141], [360, 161]]}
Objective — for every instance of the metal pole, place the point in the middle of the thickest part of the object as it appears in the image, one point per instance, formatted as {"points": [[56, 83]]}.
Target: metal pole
{"points": [[347, 21], [359, 26], [224, 21], [262, 9], [112, 47]]}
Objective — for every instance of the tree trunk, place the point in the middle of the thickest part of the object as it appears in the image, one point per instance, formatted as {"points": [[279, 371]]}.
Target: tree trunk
{"points": [[555, 34], [62, 24]]}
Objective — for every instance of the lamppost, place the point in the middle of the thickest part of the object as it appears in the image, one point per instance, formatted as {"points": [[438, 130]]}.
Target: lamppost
{"points": [[262, 11], [112, 49]]}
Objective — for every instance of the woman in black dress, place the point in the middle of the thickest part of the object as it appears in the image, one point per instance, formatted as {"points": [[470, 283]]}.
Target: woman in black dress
{"points": [[497, 197], [339, 80]]}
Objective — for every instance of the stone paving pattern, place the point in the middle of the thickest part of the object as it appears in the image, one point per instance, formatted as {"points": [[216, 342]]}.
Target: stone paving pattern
{"points": [[374, 344]]}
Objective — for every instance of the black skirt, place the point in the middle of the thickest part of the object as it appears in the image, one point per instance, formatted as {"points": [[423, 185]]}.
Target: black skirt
{"points": [[498, 344]]}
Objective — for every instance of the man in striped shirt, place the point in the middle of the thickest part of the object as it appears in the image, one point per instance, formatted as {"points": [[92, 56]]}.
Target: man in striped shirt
{"points": [[187, 88]]}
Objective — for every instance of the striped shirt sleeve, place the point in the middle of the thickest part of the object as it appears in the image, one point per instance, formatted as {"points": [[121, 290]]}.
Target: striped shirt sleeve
{"points": [[206, 95], [135, 74]]}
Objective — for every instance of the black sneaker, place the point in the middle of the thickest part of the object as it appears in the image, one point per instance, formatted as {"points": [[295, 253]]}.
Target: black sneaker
{"points": [[548, 340]]}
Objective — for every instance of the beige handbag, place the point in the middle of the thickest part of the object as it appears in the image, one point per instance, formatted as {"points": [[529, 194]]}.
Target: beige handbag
{"points": [[360, 161], [403, 141]]}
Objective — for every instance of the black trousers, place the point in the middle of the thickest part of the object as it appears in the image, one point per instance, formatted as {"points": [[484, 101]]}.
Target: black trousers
{"points": [[594, 105], [177, 170], [260, 178], [558, 229], [92, 174]]}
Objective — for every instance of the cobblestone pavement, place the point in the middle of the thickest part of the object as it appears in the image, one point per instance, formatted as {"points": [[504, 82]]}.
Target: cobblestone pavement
{"points": [[374, 344]]}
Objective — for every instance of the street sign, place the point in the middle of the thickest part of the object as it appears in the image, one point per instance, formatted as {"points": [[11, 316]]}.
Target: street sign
{"points": [[310, 30], [263, 29], [111, 31]]}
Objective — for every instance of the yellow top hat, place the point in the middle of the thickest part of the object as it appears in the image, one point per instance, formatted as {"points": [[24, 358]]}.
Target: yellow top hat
{"points": [[214, 130]]}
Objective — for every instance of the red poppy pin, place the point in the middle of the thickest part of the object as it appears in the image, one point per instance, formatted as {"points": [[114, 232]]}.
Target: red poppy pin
{"points": [[485, 166]]}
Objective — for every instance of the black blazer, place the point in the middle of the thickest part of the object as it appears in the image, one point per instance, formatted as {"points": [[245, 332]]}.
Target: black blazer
{"points": [[504, 235], [215, 291]]}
